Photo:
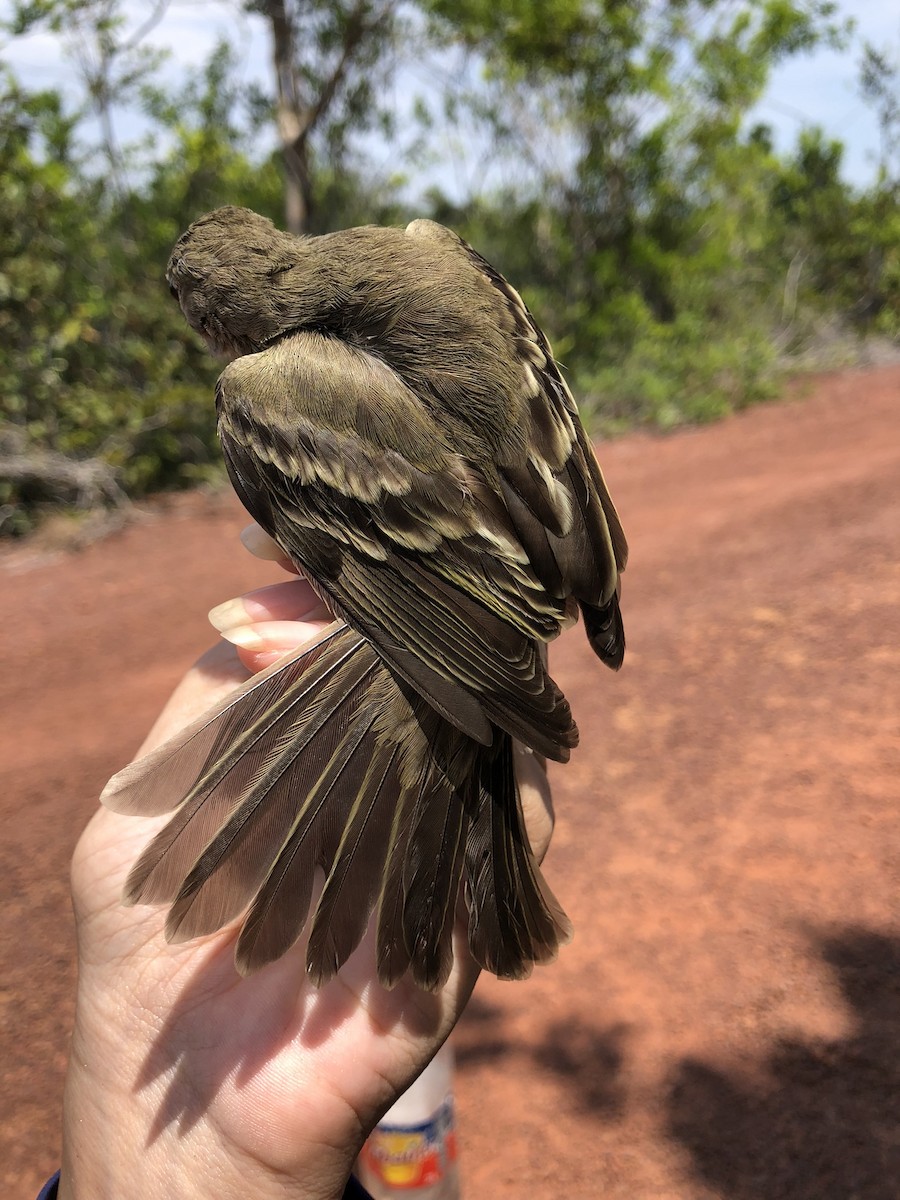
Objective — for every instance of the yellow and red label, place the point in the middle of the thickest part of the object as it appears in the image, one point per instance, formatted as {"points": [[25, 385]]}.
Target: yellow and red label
{"points": [[413, 1156]]}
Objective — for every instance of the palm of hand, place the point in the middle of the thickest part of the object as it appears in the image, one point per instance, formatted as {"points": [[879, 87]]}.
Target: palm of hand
{"points": [[266, 1077]]}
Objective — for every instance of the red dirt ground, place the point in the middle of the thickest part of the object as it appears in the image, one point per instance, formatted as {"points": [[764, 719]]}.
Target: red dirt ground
{"points": [[727, 1021]]}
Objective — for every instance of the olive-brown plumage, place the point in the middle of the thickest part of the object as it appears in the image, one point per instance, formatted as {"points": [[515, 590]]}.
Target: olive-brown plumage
{"points": [[394, 418]]}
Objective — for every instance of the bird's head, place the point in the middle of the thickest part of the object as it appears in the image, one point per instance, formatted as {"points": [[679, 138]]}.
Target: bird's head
{"points": [[239, 280]]}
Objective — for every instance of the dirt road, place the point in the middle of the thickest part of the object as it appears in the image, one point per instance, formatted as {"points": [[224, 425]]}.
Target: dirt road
{"points": [[727, 1021]]}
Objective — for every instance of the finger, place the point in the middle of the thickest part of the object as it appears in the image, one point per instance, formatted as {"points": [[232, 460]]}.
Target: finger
{"points": [[262, 643], [291, 601], [537, 801], [269, 622]]}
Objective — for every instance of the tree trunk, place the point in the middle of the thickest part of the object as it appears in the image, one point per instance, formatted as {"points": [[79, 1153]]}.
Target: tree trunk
{"points": [[298, 200], [298, 112], [289, 117]]}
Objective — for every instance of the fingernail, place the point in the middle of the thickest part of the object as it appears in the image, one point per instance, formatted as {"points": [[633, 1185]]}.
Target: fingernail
{"points": [[230, 613], [243, 636], [274, 602], [280, 636], [258, 542]]}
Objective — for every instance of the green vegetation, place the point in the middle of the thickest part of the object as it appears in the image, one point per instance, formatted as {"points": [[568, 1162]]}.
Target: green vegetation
{"points": [[673, 256]]}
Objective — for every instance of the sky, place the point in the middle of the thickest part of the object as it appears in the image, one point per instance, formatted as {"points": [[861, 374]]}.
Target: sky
{"points": [[823, 89], [816, 89]]}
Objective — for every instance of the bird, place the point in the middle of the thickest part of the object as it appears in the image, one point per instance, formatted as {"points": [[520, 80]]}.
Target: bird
{"points": [[393, 417]]}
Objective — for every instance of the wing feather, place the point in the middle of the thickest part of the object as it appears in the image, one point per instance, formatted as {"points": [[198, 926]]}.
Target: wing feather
{"points": [[458, 621], [556, 441], [356, 876]]}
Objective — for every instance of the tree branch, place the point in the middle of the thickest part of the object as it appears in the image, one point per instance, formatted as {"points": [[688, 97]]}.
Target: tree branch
{"points": [[356, 32], [148, 26], [88, 482]]}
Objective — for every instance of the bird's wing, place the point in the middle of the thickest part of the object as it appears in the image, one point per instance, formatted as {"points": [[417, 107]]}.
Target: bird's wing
{"points": [[555, 492], [410, 546]]}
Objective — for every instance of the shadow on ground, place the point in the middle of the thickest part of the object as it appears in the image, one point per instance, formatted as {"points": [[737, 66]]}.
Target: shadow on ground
{"points": [[588, 1059], [827, 1125]]}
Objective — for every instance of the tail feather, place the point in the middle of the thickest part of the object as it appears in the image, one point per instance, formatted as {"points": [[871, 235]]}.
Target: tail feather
{"points": [[515, 920], [280, 909], [352, 887], [329, 760]]}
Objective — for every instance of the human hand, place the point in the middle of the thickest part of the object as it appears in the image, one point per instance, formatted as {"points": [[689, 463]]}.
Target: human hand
{"points": [[186, 1079]]}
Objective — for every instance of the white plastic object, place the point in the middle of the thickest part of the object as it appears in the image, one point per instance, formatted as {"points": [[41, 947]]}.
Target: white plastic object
{"points": [[412, 1151]]}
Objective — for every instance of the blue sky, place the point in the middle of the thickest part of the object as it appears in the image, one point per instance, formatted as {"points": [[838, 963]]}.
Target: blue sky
{"points": [[818, 89], [823, 89]]}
